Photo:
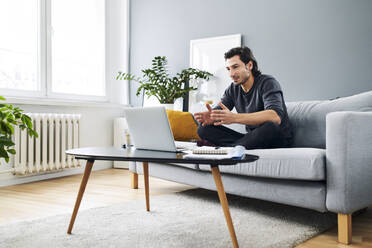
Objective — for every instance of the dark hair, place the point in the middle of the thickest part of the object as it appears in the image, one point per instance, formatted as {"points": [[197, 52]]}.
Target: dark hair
{"points": [[245, 55]]}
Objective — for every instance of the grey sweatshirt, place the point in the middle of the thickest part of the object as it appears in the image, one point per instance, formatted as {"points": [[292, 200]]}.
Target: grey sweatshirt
{"points": [[265, 94]]}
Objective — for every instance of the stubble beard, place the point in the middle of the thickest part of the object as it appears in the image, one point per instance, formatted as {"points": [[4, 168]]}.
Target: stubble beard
{"points": [[243, 81]]}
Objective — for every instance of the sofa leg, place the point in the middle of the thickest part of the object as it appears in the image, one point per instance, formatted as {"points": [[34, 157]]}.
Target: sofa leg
{"points": [[134, 180], [344, 228]]}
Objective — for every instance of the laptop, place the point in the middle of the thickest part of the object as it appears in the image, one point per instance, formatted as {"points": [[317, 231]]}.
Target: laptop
{"points": [[149, 129]]}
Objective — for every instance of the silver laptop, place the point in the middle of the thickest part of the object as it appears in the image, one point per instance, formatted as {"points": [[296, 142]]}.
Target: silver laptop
{"points": [[149, 129]]}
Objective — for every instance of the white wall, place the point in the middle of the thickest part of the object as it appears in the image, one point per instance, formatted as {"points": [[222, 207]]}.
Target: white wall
{"points": [[96, 130]]}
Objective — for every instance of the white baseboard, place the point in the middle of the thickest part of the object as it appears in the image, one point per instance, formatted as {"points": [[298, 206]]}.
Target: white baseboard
{"points": [[121, 164], [7, 178]]}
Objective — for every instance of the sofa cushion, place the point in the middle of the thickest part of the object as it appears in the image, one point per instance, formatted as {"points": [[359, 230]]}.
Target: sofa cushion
{"points": [[283, 163], [309, 118], [183, 125]]}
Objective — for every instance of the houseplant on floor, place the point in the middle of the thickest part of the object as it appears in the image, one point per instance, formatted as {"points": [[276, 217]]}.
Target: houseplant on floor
{"points": [[157, 82], [10, 117]]}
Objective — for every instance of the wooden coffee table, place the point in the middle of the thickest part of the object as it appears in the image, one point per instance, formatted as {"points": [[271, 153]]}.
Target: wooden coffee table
{"points": [[120, 154]]}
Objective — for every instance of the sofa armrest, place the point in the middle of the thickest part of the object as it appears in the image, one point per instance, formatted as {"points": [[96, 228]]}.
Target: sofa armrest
{"points": [[349, 161]]}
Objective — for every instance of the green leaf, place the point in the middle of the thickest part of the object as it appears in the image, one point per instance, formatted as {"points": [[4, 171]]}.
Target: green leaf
{"points": [[27, 120], [118, 76], [32, 133], [10, 117], [6, 127], [6, 141], [11, 128], [3, 153], [11, 151]]}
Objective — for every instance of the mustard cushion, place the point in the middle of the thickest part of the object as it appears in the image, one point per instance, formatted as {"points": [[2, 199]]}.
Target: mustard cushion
{"points": [[183, 125]]}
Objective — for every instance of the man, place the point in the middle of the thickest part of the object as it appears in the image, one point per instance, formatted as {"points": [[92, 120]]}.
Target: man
{"points": [[259, 101]]}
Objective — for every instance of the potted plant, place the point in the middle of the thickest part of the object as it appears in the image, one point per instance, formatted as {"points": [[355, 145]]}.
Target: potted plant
{"points": [[157, 82], [10, 117]]}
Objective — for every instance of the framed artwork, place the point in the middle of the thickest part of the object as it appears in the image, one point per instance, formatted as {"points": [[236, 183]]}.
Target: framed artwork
{"points": [[208, 54]]}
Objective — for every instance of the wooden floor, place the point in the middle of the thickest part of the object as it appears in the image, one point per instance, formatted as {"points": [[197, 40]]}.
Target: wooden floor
{"points": [[105, 187]]}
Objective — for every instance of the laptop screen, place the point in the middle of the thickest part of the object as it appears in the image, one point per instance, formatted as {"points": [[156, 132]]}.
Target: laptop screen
{"points": [[149, 128]]}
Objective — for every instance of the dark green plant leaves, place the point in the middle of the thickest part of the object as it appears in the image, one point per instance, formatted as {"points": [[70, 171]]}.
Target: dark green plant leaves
{"points": [[6, 141], [157, 82], [10, 117], [11, 151]]}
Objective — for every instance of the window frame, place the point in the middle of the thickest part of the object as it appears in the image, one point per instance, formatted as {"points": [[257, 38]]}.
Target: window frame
{"points": [[44, 62]]}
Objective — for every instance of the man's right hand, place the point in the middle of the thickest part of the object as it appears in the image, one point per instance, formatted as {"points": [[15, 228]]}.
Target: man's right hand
{"points": [[204, 117]]}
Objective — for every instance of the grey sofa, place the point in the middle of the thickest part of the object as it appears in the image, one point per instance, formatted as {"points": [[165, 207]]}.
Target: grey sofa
{"points": [[329, 167]]}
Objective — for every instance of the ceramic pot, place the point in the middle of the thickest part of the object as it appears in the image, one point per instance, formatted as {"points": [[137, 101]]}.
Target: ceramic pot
{"points": [[169, 106]]}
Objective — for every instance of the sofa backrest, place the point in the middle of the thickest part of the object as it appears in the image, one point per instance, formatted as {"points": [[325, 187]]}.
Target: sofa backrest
{"points": [[308, 118]]}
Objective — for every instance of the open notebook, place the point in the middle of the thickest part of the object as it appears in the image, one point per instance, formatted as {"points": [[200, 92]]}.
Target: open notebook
{"points": [[211, 150], [237, 152]]}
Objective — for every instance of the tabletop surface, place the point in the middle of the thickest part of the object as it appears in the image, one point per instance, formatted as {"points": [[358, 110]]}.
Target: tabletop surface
{"points": [[131, 154]]}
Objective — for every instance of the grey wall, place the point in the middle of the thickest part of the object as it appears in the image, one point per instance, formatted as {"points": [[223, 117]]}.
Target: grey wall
{"points": [[317, 49]]}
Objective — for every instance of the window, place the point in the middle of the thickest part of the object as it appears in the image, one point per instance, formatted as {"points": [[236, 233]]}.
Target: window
{"points": [[53, 48], [78, 41], [18, 45]]}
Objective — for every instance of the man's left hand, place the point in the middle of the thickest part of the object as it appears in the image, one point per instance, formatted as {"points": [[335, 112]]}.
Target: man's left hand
{"points": [[224, 116]]}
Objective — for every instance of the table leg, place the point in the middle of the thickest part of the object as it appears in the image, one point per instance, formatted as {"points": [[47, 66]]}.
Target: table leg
{"points": [[83, 184], [225, 206], [146, 179]]}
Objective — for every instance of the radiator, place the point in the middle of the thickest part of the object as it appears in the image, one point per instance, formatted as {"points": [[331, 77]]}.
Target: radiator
{"points": [[57, 133]]}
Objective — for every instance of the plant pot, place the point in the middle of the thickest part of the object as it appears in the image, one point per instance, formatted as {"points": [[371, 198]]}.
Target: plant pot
{"points": [[169, 106]]}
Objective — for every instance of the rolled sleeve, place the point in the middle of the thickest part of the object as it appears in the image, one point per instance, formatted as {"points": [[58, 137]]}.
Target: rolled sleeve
{"points": [[272, 97]]}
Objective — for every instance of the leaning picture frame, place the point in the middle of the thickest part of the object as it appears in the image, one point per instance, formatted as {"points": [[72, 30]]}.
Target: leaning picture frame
{"points": [[208, 54]]}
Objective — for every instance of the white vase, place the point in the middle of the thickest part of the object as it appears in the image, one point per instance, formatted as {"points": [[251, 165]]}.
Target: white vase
{"points": [[178, 103], [169, 106]]}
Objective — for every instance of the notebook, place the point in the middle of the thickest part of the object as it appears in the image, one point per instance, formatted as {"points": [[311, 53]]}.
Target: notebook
{"points": [[149, 129], [210, 150], [237, 152]]}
